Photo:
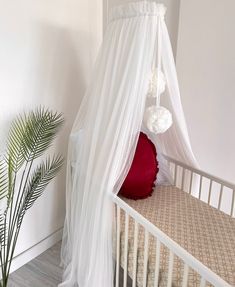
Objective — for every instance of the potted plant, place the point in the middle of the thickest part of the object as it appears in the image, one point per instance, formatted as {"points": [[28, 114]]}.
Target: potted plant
{"points": [[22, 180]]}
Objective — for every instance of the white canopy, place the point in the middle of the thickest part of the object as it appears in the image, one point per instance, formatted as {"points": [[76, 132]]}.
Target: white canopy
{"points": [[105, 134]]}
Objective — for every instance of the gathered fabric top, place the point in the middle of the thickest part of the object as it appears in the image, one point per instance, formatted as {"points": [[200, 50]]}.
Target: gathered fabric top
{"points": [[137, 9]]}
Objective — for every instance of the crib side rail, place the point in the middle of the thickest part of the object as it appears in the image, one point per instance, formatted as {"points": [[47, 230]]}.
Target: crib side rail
{"points": [[213, 190], [206, 275]]}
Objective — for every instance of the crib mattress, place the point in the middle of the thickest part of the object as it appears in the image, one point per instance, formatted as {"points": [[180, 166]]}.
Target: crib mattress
{"points": [[205, 232]]}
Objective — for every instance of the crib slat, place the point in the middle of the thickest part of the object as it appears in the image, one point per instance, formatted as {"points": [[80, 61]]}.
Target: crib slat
{"points": [[203, 282], [136, 232], [175, 175], [200, 187], [220, 196], [126, 250], [157, 263], [118, 247], [185, 276], [232, 206], [146, 247], [191, 181], [182, 180], [170, 269], [210, 189]]}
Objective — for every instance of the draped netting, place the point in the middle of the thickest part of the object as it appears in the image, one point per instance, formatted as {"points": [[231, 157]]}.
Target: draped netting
{"points": [[105, 134]]}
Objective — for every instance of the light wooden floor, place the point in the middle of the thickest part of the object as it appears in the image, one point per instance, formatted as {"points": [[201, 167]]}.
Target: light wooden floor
{"points": [[45, 271]]}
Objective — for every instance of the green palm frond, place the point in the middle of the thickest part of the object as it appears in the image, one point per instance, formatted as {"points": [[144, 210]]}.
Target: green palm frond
{"points": [[38, 182], [2, 229], [42, 128], [30, 135], [5, 197], [3, 179], [15, 156]]}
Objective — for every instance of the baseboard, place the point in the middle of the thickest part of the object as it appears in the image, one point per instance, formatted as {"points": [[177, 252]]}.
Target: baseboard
{"points": [[34, 251]]}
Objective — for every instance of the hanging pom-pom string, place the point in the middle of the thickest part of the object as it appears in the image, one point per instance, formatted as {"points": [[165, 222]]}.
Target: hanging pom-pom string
{"points": [[159, 62], [157, 84], [158, 119]]}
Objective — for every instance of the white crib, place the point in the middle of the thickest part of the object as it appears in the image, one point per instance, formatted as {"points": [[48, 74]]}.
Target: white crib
{"points": [[196, 184]]}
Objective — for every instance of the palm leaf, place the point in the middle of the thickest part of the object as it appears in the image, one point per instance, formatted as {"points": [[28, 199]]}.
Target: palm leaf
{"points": [[5, 198], [15, 156], [3, 179], [30, 135], [42, 127], [2, 229], [38, 182]]}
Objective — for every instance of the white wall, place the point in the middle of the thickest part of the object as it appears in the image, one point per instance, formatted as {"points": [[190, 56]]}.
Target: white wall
{"points": [[172, 15], [46, 54], [206, 69]]}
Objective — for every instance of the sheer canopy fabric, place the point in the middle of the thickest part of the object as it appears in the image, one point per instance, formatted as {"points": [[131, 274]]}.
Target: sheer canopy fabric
{"points": [[104, 138]]}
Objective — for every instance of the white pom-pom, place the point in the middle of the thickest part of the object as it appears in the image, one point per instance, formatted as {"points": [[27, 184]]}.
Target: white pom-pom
{"points": [[153, 84], [158, 119]]}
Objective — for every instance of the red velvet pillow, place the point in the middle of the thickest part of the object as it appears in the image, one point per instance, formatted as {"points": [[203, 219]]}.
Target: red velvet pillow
{"points": [[139, 182]]}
